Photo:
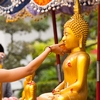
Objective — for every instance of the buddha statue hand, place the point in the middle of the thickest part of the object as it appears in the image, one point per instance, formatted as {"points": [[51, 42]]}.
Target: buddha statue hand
{"points": [[58, 97], [30, 98], [55, 91]]}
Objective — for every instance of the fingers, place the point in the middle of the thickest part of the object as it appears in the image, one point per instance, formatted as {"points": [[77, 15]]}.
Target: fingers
{"points": [[57, 48], [2, 55], [55, 91], [61, 44]]}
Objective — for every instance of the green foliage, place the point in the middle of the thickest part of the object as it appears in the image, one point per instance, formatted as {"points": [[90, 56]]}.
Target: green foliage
{"points": [[19, 51], [92, 79], [48, 74], [92, 89], [92, 70], [39, 47], [47, 86], [92, 19], [15, 49], [92, 45], [41, 25], [14, 27]]}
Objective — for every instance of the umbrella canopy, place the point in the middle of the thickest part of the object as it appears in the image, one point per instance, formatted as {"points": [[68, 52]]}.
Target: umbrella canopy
{"points": [[12, 6], [37, 9]]}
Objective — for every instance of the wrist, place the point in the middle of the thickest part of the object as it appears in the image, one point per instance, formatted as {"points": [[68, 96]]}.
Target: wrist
{"points": [[50, 48]]}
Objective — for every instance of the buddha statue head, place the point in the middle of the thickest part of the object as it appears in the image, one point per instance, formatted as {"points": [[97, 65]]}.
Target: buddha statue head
{"points": [[30, 77], [78, 25]]}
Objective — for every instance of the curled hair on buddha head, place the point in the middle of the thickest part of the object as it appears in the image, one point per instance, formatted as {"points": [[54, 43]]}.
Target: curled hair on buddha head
{"points": [[1, 48], [77, 24]]}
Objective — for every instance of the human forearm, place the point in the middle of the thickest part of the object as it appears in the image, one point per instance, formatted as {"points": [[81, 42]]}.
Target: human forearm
{"points": [[34, 64], [21, 72]]}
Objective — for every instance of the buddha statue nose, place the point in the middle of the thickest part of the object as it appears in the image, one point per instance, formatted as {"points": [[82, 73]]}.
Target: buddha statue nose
{"points": [[63, 39]]}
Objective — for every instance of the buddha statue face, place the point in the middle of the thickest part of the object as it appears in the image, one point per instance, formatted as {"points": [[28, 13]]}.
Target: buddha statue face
{"points": [[75, 30], [69, 39], [78, 29]]}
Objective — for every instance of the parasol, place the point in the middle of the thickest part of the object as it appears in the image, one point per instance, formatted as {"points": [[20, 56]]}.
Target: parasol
{"points": [[37, 9]]}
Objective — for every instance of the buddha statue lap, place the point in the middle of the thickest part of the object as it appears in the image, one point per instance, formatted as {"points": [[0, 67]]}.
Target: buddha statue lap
{"points": [[76, 64]]}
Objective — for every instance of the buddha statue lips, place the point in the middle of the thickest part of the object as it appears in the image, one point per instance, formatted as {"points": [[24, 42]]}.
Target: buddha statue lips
{"points": [[63, 45], [42, 2]]}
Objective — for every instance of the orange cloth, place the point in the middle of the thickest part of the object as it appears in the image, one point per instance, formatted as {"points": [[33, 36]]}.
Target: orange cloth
{"points": [[42, 2]]}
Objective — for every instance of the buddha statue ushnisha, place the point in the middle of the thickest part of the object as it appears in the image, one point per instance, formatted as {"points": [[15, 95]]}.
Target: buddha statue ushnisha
{"points": [[76, 64]]}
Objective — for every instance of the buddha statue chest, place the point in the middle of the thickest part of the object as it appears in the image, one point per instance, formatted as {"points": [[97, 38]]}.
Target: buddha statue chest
{"points": [[70, 68]]}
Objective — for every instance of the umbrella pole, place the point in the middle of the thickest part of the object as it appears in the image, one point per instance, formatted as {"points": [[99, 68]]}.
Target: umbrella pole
{"points": [[56, 41], [98, 58]]}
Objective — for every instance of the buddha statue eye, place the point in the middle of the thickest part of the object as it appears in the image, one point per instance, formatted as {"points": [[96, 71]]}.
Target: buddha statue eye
{"points": [[65, 33]]}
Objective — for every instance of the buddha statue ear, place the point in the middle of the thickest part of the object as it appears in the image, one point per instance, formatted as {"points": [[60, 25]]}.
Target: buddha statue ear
{"points": [[81, 42]]}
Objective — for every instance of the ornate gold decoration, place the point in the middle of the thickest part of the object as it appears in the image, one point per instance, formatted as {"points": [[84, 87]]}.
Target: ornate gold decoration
{"points": [[23, 14]]}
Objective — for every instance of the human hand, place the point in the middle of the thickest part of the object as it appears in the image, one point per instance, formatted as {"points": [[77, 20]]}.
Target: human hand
{"points": [[56, 48], [2, 56]]}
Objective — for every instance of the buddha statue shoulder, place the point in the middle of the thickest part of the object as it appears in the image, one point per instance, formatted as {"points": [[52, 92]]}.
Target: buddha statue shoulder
{"points": [[76, 64]]}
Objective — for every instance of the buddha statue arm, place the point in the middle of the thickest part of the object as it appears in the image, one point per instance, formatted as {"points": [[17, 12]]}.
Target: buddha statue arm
{"points": [[72, 88], [83, 65], [58, 88], [83, 61]]}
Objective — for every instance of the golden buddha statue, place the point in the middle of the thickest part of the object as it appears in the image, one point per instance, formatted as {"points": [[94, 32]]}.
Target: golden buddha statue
{"points": [[29, 92], [76, 64]]}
